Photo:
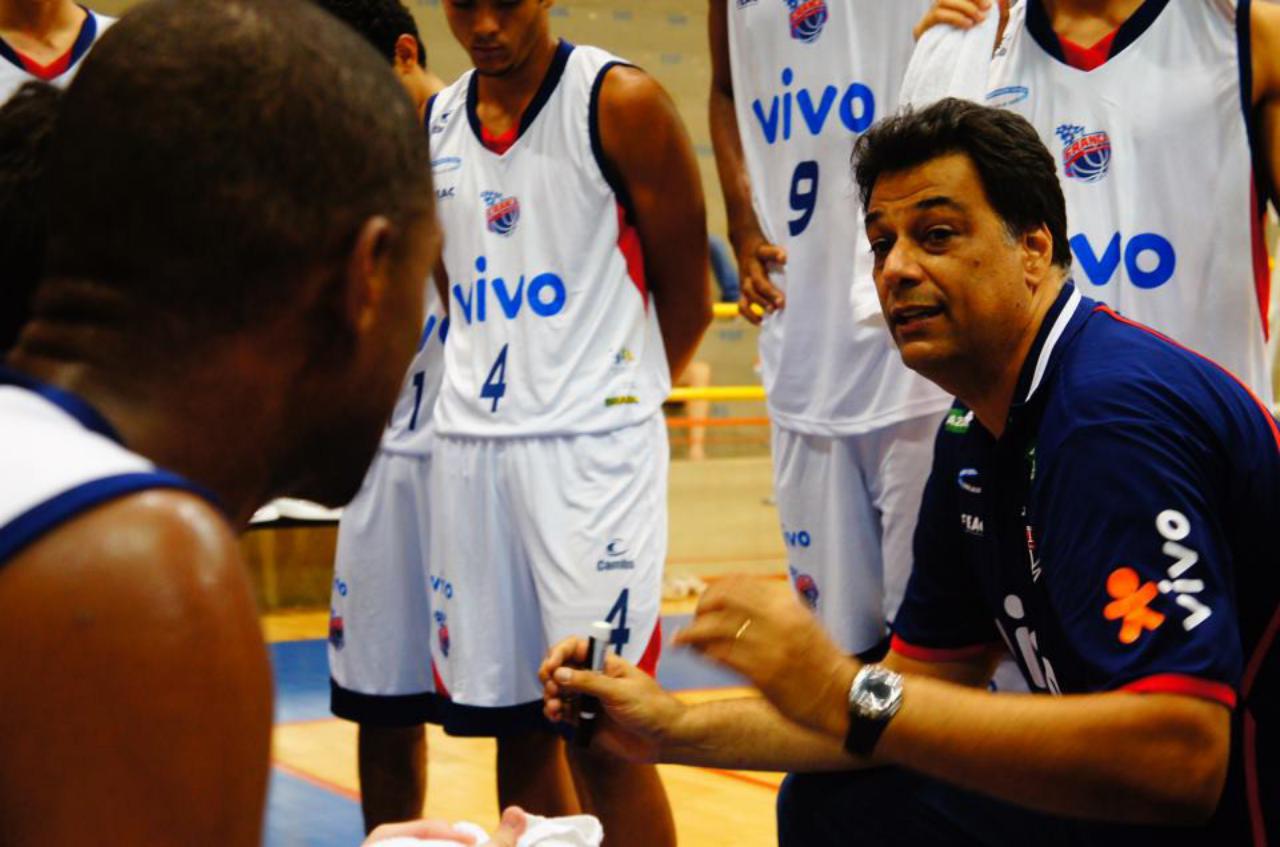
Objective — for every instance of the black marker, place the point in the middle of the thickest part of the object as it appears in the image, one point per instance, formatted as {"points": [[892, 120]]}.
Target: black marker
{"points": [[588, 706]]}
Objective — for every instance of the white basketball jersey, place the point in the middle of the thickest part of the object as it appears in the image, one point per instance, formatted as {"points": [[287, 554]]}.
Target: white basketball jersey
{"points": [[14, 72], [809, 77], [60, 459], [551, 328], [1154, 155], [410, 428]]}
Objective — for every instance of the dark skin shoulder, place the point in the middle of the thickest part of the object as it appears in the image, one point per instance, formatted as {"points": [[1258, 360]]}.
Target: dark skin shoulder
{"points": [[137, 688], [645, 140]]}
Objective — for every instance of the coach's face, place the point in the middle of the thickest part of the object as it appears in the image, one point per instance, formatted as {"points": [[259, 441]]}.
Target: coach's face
{"points": [[955, 286], [499, 35]]}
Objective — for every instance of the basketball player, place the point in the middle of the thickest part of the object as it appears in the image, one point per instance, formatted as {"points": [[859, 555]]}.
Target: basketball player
{"points": [[1166, 119], [380, 626], [44, 40], [576, 260], [26, 123], [222, 321], [793, 85]]}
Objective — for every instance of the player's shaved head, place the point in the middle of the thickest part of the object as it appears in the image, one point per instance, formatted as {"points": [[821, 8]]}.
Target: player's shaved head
{"points": [[194, 179]]}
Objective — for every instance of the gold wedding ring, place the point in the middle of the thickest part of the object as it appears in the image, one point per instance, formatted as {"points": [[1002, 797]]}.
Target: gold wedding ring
{"points": [[742, 629]]}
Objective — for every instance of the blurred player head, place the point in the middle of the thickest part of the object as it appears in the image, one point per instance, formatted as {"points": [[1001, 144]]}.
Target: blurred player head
{"points": [[26, 122], [390, 28], [968, 226], [501, 36], [250, 209]]}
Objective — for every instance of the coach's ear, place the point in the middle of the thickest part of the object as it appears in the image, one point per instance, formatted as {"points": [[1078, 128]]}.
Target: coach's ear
{"points": [[368, 274], [406, 58], [1037, 255]]}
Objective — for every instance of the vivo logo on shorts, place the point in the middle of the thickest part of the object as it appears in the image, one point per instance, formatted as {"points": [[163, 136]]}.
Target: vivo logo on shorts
{"points": [[1149, 259], [544, 295], [443, 586], [855, 107], [797, 539]]}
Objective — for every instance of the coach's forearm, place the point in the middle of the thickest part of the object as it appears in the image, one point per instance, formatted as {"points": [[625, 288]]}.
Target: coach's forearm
{"points": [[749, 734], [1136, 758]]}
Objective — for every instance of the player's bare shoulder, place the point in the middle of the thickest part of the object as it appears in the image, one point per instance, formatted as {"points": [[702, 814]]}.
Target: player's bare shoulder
{"points": [[1264, 27], [635, 110]]}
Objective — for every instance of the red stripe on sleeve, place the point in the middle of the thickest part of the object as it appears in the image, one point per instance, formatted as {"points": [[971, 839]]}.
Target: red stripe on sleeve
{"points": [[1261, 271], [1173, 683], [937, 654]]}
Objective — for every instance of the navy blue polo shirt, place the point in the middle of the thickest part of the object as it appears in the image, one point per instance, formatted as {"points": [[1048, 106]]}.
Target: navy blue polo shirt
{"points": [[1120, 535]]}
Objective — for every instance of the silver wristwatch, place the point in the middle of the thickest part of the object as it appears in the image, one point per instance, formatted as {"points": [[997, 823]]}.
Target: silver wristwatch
{"points": [[874, 698]]}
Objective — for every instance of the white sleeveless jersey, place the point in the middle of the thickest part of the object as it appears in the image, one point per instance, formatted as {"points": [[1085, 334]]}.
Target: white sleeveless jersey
{"points": [[1154, 155], [60, 459], [809, 77], [13, 73], [410, 428], [551, 329]]}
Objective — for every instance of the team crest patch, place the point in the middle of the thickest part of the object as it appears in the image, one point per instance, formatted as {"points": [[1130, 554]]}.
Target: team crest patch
{"points": [[501, 213], [337, 630], [808, 17], [442, 632], [807, 588], [1086, 156]]}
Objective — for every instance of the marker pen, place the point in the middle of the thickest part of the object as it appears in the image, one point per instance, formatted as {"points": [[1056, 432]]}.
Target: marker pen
{"points": [[588, 706]]}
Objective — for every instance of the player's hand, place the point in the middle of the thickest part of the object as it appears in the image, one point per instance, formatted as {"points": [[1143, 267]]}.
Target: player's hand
{"points": [[759, 628], [962, 14], [755, 255], [637, 714], [513, 824]]}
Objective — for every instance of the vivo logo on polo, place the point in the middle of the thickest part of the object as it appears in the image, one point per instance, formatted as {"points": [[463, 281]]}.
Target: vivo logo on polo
{"points": [[1149, 259], [856, 109], [545, 295]]}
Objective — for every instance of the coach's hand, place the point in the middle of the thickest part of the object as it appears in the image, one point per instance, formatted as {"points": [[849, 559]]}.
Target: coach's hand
{"points": [[637, 713], [760, 629], [755, 255], [962, 14]]}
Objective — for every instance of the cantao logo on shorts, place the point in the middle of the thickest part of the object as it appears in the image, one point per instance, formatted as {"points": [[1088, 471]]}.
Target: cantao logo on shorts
{"points": [[616, 557]]}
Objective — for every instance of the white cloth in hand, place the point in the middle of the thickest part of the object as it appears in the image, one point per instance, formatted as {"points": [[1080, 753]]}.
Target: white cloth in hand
{"points": [[570, 831]]}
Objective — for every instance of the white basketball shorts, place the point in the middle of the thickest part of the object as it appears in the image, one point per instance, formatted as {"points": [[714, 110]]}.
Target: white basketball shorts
{"points": [[380, 622], [533, 539], [848, 507]]}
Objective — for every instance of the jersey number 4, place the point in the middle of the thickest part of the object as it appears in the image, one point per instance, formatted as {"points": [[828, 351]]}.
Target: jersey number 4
{"points": [[620, 635], [495, 384]]}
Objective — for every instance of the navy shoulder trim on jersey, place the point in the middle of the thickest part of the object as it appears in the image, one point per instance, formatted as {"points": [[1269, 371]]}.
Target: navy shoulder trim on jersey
{"points": [[611, 175], [540, 98], [84, 40], [426, 115], [1244, 53], [72, 404], [1041, 28], [46, 516]]}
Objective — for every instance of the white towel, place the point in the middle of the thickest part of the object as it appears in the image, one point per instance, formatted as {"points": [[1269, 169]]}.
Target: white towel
{"points": [[571, 831], [951, 62]]}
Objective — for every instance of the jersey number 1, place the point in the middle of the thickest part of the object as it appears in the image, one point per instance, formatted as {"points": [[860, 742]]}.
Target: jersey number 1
{"points": [[495, 384]]}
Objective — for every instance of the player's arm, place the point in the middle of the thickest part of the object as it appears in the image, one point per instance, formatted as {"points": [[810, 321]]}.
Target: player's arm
{"points": [[752, 250], [137, 700], [1265, 30], [645, 140]]}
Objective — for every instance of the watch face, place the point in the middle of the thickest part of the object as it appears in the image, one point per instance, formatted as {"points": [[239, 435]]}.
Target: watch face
{"points": [[877, 692]]}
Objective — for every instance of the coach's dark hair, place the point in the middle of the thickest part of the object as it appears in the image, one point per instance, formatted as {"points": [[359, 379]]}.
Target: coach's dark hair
{"points": [[211, 154], [381, 22], [26, 124], [1018, 174]]}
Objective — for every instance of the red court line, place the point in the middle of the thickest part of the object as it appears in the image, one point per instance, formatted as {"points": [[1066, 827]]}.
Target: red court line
{"points": [[742, 777], [312, 779]]}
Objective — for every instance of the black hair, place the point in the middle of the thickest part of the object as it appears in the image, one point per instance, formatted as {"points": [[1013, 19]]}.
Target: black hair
{"points": [[195, 181], [381, 22], [26, 124], [1018, 173]]}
